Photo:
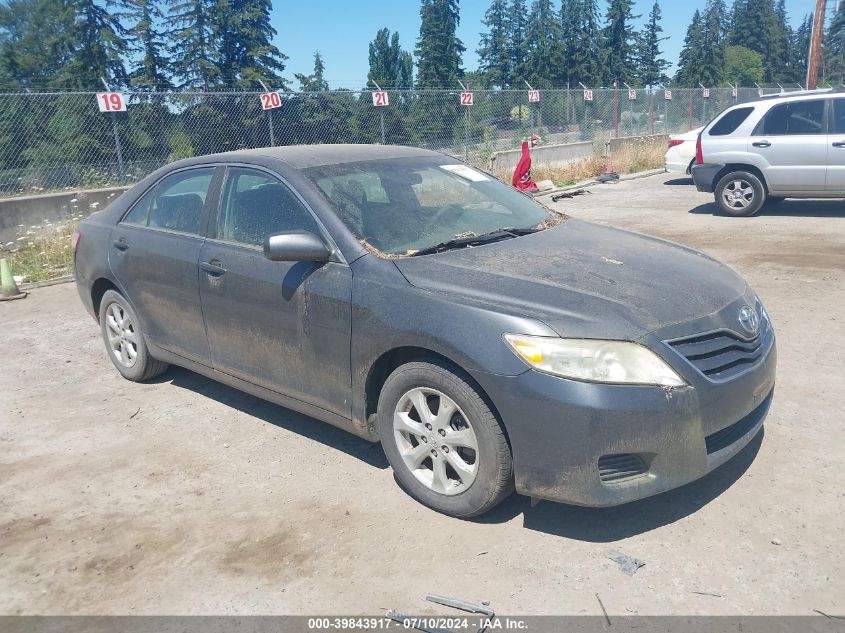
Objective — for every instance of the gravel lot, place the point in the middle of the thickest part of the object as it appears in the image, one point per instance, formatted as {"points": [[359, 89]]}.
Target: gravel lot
{"points": [[184, 496]]}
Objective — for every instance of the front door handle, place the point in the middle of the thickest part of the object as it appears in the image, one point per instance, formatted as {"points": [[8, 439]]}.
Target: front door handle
{"points": [[214, 267], [762, 144], [839, 143], [121, 244]]}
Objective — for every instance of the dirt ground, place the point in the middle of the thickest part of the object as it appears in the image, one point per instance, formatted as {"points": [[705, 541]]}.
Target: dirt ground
{"points": [[183, 496]]}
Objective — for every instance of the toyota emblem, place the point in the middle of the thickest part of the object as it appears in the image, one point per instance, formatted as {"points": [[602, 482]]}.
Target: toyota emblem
{"points": [[749, 320]]}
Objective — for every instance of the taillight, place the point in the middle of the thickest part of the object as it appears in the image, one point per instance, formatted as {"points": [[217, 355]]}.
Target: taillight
{"points": [[674, 142], [74, 240], [699, 155]]}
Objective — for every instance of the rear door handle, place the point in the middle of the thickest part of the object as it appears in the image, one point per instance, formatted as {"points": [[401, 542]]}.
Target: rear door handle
{"points": [[839, 143], [762, 144], [213, 267], [121, 244]]}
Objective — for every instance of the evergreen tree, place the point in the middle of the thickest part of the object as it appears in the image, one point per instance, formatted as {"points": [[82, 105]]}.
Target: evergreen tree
{"points": [[714, 32], [493, 54], [619, 42], [689, 63], [247, 54], [194, 47], [152, 68], [517, 24], [315, 82], [835, 47], [34, 43], [97, 41], [544, 45], [801, 48], [589, 48], [570, 19], [651, 65], [438, 48], [756, 26], [390, 66]]}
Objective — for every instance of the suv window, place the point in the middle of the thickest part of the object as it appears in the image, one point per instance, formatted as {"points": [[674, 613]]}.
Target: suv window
{"points": [[179, 201], [794, 117], [730, 122], [838, 116], [255, 205]]}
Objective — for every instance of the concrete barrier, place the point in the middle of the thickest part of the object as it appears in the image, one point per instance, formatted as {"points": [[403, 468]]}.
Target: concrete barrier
{"points": [[32, 211], [561, 154]]}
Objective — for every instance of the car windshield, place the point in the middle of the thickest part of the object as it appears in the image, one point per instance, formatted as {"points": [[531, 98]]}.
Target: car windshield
{"points": [[407, 205]]}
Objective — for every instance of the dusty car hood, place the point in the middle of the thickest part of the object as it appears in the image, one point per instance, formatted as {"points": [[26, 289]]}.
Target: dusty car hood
{"points": [[584, 280]]}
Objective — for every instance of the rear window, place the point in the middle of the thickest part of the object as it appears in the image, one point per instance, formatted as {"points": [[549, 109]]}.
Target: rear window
{"points": [[839, 116], [730, 122]]}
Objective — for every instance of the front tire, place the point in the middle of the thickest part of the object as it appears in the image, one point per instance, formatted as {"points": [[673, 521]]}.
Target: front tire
{"points": [[124, 340], [447, 449], [740, 194]]}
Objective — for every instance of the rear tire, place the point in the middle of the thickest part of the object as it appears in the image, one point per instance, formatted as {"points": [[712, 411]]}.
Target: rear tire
{"points": [[740, 194], [453, 456], [124, 340]]}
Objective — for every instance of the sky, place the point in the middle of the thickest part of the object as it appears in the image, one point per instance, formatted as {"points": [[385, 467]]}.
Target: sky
{"points": [[342, 30]]}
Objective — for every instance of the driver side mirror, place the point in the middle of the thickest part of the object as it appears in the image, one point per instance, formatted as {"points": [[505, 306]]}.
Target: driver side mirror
{"points": [[296, 246]]}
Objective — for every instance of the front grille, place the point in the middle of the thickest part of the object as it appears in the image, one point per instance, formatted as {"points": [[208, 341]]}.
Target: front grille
{"points": [[618, 468], [735, 432], [724, 354]]}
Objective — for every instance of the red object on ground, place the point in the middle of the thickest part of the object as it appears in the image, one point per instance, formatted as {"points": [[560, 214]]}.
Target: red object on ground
{"points": [[522, 173]]}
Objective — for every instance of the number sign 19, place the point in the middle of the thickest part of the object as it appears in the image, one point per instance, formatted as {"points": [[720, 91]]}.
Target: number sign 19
{"points": [[534, 96], [380, 99], [466, 98], [270, 100], [706, 93], [667, 94], [111, 102]]}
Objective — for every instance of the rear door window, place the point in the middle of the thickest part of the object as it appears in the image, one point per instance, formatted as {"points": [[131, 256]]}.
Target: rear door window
{"points": [[730, 122], [180, 199], [793, 118], [838, 116]]}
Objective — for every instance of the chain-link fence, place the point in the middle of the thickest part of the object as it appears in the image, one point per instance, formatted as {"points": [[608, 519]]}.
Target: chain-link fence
{"points": [[55, 141]]}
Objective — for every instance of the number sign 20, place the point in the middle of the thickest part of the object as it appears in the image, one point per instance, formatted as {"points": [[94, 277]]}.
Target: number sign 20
{"points": [[270, 100], [111, 102]]}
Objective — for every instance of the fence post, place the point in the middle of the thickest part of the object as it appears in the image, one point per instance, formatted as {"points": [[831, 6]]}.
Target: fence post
{"points": [[689, 110], [381, 122], [120, 169], [615, 110], [651, 112], [270, 125]]}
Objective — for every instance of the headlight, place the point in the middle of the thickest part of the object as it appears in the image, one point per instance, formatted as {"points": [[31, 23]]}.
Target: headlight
{"points": [[594, 360]]}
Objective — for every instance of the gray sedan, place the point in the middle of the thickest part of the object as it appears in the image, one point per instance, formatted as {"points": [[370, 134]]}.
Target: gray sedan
{"points": [[489, 343]]}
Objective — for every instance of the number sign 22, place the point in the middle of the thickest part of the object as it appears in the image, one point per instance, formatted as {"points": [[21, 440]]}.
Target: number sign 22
{"points": [[466, 98], [270, 100], [111, 102]]}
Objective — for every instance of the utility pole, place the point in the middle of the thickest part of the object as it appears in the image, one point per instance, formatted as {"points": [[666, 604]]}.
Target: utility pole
{"points": [[814, 56]]}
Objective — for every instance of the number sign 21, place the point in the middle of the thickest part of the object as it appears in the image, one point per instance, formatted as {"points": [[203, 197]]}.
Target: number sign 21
{"points": [[111, 102]]}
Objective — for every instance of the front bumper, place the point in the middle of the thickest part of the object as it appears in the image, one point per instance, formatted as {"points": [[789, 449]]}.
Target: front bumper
{"points": [[560, 430], [704, 176]]}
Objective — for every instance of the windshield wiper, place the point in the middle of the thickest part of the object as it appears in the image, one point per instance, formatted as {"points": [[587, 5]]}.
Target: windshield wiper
{"points": [[475, 240]]}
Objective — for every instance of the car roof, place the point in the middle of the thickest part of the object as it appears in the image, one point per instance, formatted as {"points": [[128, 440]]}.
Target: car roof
{"points": [[304, 156]]}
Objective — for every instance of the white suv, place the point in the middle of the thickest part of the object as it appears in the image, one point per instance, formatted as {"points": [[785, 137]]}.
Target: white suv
{"points": [[787, 146]]}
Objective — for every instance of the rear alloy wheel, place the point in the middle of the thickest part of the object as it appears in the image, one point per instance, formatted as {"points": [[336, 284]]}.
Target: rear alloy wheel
{"points": [[447, 448], [740, 193], [124, 341]]}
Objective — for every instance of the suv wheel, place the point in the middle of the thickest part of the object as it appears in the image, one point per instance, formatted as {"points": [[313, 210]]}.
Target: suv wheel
{"points": [[740, 193], [446, 447]]}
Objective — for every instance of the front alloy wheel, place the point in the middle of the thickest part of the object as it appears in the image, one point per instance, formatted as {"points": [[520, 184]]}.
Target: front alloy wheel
{"points": [[446, 446], [435, 440]]}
